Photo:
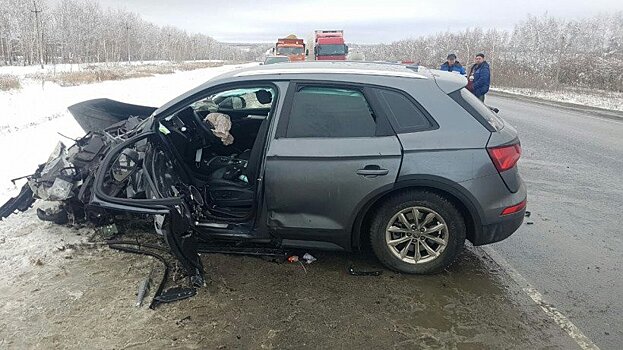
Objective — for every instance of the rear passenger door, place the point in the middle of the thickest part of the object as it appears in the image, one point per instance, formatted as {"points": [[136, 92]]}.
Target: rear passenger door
{"points": [[330, 153]]}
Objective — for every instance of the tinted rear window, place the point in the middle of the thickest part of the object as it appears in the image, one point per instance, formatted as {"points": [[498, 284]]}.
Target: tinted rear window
{"points": [[403, 111], [477, 109], [330, 112]]}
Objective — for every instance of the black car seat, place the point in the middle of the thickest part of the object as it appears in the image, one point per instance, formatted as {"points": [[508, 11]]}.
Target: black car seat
{"points": [[227, 186], [264, 97]]}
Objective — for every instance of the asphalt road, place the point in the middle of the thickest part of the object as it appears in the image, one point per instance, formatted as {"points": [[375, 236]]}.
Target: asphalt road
{"points": [[571, 248]]}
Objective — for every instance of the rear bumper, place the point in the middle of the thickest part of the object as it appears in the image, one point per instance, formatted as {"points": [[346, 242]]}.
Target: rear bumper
{"points": [[500, 230]]}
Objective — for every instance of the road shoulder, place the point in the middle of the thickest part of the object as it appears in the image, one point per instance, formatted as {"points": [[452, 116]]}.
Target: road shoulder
{"points": [[596, 111]]}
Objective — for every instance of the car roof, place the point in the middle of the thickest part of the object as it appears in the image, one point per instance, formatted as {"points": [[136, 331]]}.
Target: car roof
{"points": [[446, 81], [330, 67]]}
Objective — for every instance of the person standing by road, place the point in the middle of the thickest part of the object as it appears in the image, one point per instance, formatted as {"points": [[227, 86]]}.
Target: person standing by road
{"points": [[452, 65], [479, 77]]}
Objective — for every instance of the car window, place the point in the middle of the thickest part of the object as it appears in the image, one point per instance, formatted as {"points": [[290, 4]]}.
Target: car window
{"points": [[477, 109], [236, 99], [403, 111], [330, 112]]}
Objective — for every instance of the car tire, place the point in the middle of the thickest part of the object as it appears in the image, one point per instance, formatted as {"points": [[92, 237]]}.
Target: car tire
{"points": [[389, 227]]}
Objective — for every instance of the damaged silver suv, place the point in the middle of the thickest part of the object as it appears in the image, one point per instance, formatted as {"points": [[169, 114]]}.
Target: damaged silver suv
{"points": [[314, 155]]}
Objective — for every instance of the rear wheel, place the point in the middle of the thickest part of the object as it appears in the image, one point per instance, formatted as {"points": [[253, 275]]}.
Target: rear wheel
{"points": [[417, 232]]}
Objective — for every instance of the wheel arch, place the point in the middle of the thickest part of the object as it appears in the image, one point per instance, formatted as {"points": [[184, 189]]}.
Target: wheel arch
{"points": [[459, 196]]}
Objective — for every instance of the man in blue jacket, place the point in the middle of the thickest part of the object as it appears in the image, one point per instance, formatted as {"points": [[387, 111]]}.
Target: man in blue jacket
{"points": [[452, 65], [479, 77]]}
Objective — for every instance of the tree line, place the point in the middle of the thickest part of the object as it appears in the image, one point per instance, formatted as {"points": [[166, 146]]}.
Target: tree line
{"points": [[81, 31], [541, 51]]}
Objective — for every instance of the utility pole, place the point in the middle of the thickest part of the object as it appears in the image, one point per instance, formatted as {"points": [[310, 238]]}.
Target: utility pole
{"points": [[36, 11], [559, 59], [127, 38], [170, 53]]}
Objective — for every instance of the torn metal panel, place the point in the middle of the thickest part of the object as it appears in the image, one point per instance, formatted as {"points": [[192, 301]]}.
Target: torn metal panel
{"points": [[21, 202]]}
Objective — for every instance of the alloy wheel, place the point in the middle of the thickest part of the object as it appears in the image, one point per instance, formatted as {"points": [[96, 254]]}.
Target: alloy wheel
{"points": [[416, 235]]}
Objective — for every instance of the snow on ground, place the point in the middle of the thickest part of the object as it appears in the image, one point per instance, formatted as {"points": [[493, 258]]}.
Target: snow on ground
{"points": [[45, 242], [22, 71], [585, 97], [32, 117]]}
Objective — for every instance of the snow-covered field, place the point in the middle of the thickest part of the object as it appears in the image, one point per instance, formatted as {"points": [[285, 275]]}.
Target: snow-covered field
{"points": [[23, 71], [32, 117], [585, 97]]}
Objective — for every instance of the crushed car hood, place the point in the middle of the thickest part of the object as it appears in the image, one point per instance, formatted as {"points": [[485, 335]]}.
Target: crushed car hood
{"points": [[99, 114]]}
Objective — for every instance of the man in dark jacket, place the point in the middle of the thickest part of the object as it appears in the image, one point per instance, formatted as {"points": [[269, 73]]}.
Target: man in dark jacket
{"points": [[479, 77], [452, 65]]}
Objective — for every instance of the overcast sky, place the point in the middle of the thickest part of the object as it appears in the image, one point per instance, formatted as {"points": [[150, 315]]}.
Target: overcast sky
{"points": [[363, 21]]}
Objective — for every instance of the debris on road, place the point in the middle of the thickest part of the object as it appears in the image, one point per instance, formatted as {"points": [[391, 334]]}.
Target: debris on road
{"points": [[309, 258], [143, 289], [107, 231], [353, 272], [21, 202], [175, 294]]}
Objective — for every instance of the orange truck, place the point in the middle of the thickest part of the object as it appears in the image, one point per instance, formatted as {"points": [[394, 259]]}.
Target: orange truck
{"points": [[292, 47]]}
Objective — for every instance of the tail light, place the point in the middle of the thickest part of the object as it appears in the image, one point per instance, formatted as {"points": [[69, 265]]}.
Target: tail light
{"points": [[505, 157], [514, 208]]}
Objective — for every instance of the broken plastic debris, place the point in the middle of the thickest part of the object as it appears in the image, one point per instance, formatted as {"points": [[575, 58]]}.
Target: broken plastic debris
{"points": [[309, 258], [108, 230], [143, 290], [353, 272], [59, 150], [163, 129], [175, 294], [60, 190]]}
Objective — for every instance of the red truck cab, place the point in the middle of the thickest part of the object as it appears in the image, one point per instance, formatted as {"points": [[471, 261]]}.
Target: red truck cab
{"points": [[329, 45]]}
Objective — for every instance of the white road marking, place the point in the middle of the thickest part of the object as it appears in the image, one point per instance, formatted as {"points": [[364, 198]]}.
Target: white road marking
{"points": [[565, 324]]}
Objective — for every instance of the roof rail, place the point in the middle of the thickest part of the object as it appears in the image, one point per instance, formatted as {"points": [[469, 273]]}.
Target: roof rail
{"points": [[329, 70]]}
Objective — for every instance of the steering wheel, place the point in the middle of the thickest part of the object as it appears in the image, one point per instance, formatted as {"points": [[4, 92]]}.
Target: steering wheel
{"points": [[207, 135]]}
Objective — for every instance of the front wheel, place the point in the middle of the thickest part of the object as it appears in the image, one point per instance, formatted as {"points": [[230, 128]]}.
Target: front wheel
{"points": [[417, 232]]}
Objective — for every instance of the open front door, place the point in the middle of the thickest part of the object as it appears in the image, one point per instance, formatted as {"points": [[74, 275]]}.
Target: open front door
{"points": [[123, 183]]}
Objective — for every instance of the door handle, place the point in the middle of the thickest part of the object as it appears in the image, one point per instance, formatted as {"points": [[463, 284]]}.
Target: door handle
{"points": [[373, 171]]}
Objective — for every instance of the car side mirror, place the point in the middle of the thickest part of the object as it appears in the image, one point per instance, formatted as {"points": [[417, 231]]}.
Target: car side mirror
{"points": [[261, 63], [345, 48], [495, 110], [307, 52]]}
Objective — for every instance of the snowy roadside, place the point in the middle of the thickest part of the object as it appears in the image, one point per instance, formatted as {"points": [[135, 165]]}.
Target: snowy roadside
{"points": [[32, 117], [583, 97], [24, 71]]}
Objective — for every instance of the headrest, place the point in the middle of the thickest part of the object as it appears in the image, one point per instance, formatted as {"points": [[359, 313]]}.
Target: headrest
{"points": [[264, 96]]}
